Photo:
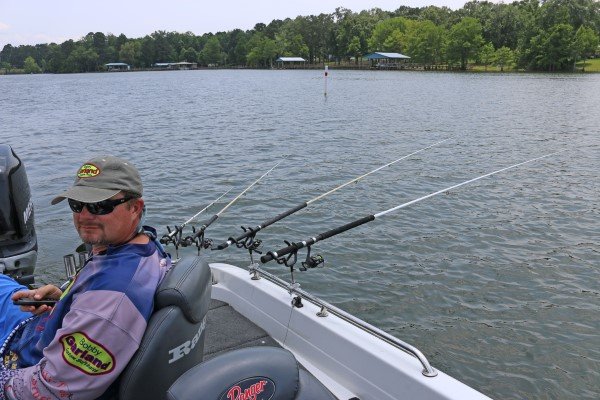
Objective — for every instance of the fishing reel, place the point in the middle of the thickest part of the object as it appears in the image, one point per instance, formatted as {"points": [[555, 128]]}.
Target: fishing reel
{"points": [[197, 239], [173, 237], [315, 261], [250, 242], [290, 259]]}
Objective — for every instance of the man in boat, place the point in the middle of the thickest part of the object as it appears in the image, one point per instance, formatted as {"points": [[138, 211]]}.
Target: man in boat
{"points": [[78, 348]]}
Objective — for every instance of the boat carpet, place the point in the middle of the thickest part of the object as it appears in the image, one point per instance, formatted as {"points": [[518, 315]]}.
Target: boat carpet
{"points": [[226, 329]]}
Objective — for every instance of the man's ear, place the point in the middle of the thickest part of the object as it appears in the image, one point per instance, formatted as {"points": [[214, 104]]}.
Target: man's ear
{"points": [[138, 206]]}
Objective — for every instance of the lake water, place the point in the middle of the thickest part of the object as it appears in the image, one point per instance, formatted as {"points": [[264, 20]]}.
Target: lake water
{"points": [[497, 282]]}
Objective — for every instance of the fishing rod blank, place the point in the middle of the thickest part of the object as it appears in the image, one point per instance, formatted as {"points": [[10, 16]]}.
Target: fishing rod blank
{"points": [[292, 248], [200, 234], [178, 229], [249, 233]]}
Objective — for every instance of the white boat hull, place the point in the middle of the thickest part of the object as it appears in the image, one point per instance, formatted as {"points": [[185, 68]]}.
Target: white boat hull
{"points": [[348, 360]]}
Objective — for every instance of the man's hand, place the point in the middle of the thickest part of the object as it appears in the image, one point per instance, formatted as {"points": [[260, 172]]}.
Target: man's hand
{"points": [[44, 292]]}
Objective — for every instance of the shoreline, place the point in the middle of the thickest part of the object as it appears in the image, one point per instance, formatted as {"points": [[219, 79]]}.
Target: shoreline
{"points": [[472, 69]]}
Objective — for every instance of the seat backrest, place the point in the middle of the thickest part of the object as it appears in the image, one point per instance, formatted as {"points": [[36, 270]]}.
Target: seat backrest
{"points": [[260, 372], [174, 339]]}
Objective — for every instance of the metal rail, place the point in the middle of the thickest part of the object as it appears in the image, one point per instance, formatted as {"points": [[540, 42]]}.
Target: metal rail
{"points": [[428, 370]]}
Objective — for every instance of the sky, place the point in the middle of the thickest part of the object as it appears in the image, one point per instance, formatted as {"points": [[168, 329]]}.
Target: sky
{"points": [[44, 21]]}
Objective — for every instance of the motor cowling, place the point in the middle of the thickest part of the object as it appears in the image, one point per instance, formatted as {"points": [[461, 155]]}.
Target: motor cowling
{"points": [[18, 241]]}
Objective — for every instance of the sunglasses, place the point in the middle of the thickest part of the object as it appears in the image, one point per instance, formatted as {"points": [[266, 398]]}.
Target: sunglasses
{"points": [[100, 208]]}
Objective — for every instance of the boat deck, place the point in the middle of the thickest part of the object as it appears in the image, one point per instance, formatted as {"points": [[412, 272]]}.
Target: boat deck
{"points": [[226, 329]]}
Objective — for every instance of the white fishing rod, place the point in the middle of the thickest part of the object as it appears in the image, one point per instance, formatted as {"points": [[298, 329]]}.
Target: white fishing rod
{"points": [[249, 233], [178, 229], [198, 237], [287, 255]]}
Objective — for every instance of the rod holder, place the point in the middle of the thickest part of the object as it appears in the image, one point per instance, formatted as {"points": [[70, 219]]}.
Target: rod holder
{"points": [[70, 266]]}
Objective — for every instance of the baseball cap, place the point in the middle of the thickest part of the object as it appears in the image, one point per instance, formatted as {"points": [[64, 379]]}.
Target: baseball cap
{"points": [[101, 178]]}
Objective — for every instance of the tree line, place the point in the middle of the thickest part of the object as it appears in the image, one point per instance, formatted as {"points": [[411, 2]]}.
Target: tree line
{"points": [[542, 35]]}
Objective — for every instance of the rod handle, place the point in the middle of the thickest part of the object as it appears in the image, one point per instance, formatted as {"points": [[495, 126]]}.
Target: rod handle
{"points": [[271, 255]]}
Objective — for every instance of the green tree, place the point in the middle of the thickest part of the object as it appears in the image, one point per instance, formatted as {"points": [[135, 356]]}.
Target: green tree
{"points": [[131, 52], [504, 57], [585, 44], [440, 16], [5, 65], [380, 38], [211, 53], [189, 55], [354, 48], [487, 54], [464, 41], [425, 43], [163, 48], [81, 59], [349, 26], [555, 48], [100, 47], [291, 45], [117, 41], [262, 51], [55, 58], [31, 67], [148, 56], [571, 12], [505, 26], [315, 31], [395, 42]]}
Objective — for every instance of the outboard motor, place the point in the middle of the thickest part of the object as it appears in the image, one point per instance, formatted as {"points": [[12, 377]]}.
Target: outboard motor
{"points": [[18, 241]]}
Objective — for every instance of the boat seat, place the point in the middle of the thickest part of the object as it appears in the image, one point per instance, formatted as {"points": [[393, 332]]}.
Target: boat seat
{"points": [[248, 373], [174, 339]]}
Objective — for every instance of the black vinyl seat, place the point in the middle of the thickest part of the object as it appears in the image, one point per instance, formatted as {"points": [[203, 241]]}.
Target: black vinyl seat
{"points": [[251, 372], [174, 339]]}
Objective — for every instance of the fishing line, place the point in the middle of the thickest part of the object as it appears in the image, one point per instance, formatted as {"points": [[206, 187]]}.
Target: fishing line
{"points": [[247, 240], [288, 255], [198, 237], [178, 229]]}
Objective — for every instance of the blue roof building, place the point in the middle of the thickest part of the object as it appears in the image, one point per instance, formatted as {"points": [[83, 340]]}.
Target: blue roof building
{"points": [[381, 60]]}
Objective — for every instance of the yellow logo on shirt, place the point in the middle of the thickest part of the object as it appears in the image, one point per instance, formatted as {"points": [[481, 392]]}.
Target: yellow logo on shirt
{"points": [[86, 355]]}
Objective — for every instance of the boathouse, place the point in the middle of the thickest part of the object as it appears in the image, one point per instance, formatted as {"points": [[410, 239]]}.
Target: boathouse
{"points": [[176, 65], [118, 66], [293, 62], [387, 60]]}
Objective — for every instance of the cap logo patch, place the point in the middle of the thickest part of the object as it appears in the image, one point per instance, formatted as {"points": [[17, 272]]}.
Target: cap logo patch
{"points": [[88, 171], [85, 354]]}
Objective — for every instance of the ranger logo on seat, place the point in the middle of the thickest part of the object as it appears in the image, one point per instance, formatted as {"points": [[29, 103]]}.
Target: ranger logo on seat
{"points": [[255, 388], [184, 349]]}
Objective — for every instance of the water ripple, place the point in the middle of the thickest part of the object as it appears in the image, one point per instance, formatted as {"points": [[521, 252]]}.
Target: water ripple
{"points": [[497, 282]]}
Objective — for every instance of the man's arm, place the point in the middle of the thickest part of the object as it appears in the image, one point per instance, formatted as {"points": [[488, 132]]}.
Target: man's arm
{"points": [[99, 335]]}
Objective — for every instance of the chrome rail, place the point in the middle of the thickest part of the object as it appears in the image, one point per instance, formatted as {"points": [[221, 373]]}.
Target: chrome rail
{"points": [[294, 288]]}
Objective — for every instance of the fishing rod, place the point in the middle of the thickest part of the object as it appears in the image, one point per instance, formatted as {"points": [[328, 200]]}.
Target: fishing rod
{"points": [[198, 237], [288, 255], [248, 240], [174, 236]]}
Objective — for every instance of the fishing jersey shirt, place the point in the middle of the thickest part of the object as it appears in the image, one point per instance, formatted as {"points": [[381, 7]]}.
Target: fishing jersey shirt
{"points": [[81, 347]]}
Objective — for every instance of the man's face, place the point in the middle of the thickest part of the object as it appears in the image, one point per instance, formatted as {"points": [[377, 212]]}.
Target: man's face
{"points": [[114, 228]]}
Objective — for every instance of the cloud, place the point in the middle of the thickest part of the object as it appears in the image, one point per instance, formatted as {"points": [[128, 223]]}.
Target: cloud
{"points": [[17, 39]]}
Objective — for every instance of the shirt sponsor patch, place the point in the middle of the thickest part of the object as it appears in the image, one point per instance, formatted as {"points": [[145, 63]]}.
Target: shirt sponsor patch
{"points": [[86, 355]]}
